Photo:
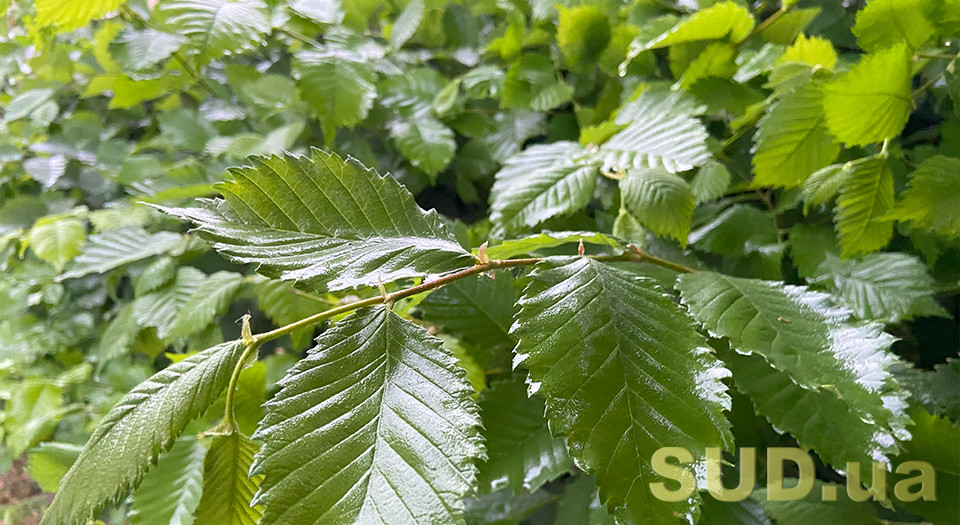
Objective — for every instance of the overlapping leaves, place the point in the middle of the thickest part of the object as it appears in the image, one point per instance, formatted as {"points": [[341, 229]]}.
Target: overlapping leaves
{"points": [[325, 222]]}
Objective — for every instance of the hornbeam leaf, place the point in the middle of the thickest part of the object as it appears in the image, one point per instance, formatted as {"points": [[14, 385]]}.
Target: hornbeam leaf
{"points": [[883, 23], [59, 241], [803, 335], [160, 308], [545, 240], [792, 140], [217, 27], [812, 417], [812, 509], [406, 24], [663, 202], [623, 371], [872, 101], [376, 425], [542, 182], [170, 491], [337, 84], [209, 299], [658, 134], [132, 434], [866, 198], [328, 223], [227, 487], [67, 15], [522, 455], [110, 249], [932, 200], [478, 310], [724, 19]]}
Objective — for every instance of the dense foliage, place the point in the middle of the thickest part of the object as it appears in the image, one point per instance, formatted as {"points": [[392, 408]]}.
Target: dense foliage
{"points": [[652, 223]]}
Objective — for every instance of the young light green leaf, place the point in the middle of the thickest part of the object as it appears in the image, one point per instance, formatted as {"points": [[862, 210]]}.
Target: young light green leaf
{"points": [[145, 422], [227, 487], [346, 440], [661, 201], [804, 335], [521, 453], [110, 249], [582, 33], [866, 198], [623, 371], [217, 27], [67, 15], [815, 52], [325, 222], [792, 140], [871, 102], [170, 491], [721, 20], [932, 200], [542, 182], [57, 241], [210, 299], [48, 462], [824, 184], [883, 23]]}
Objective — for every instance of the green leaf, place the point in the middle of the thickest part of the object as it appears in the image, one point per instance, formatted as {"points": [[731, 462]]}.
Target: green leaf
{"points": [[424, 141], [814, 52], [663, 202], [283, 306], [866, 198], [824, 184], [338, 85], [347, 439], [132, 434], [48, 462], [710, 182], [806, 337], [544, 181], [658, 134], [227, 489], [812, 417], [209, 300], [581, 504], [623, 371], [141, 49], [170, 491], [23, 104], [542, 241], [935, 440], [57, 242], [30, 413], [504, 507], [745, 512], [119, 335], [155, 275], [715, 61], [477, 310], [792, 140], [325, 222], [111, 249], [521, 453], [160, 308], [736, 232], [406, 23], [722, 20], [888, 287], [812, 508], [872, 101], [217, 27], [582, 33], [46, 170], [532, 83], [67, 15], [932, 200], [883, 23]]}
